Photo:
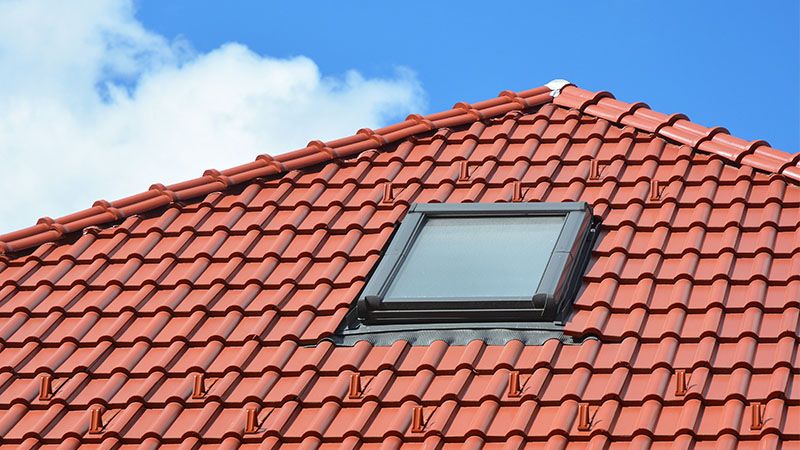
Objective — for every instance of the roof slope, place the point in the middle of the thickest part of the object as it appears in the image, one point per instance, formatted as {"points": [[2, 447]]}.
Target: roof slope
{"points": [[697, 269]]}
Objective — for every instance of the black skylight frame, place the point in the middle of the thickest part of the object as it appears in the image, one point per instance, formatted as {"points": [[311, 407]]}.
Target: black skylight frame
{"points": [[550, 303]]}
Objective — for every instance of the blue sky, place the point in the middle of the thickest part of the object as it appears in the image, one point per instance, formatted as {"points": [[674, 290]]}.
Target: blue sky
{"points": [[100, 99], [723, 63]]}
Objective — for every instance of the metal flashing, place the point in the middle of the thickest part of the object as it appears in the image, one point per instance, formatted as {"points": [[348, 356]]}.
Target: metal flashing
{"points": [[461, 336]]}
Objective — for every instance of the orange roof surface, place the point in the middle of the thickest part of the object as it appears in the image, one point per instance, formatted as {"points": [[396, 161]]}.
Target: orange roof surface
{"points": [[199, 313]]}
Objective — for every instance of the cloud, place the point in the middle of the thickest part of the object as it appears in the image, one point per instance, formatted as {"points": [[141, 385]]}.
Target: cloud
{"points": [[93, 105]]}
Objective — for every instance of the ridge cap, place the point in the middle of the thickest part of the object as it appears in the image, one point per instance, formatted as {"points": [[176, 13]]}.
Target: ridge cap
{"points": [[679, 129], [315, 152]]}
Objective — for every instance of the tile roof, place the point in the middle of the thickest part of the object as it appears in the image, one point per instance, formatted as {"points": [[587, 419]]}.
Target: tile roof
{"points": [[197, 313]]}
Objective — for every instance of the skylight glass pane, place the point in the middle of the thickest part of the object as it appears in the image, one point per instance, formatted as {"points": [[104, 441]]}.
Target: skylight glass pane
{"points": [[477, 258]]}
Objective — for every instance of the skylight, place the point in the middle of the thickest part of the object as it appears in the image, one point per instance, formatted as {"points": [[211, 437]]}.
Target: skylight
{"points": [[457, 258], [474, 263]]}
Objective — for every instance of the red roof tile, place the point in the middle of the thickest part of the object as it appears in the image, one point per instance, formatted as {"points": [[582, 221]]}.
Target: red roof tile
{"points": [[241, 275]]}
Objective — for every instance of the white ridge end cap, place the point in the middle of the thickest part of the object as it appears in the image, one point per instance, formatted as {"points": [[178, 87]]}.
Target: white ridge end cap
{"points": [[556, 85]]}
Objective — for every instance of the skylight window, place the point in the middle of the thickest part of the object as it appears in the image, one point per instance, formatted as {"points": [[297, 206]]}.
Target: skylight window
{"points": [[476, 258], [473, 263]]}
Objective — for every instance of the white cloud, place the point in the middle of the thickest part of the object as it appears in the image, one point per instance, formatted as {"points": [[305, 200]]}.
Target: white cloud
{"points": [[93, 105]]}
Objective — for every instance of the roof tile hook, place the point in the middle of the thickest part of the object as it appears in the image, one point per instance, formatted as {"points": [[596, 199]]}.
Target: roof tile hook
{"points": [[417, 420], [388, 193], [45, 387], [680, 382], [96, 421], [756, 416], [354, 390], [199, 388], [594, 170], [251, 421], [584, 422], [517, 194], [463, 170], [655, 190], [514, 388]]}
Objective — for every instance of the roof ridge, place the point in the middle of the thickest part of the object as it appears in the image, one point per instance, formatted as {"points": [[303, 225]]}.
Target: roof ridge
{"points": [[678, 128], [316, 152], [602, 104]]}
